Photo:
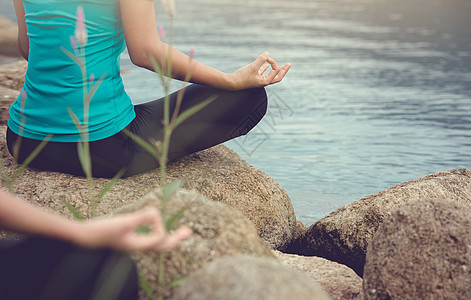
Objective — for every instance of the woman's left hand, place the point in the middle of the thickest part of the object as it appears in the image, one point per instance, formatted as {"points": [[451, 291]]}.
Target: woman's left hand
{"points": [[252, 75]]}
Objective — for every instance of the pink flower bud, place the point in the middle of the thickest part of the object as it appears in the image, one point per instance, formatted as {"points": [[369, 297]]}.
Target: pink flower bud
{"points": [[80, 15], [23, 95], [73, 43], [92, 78], [81, 33], [192, 52], [162, 32]]}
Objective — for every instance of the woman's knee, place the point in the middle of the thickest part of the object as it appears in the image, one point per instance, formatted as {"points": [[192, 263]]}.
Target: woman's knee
{"points": [[256, 104], [257, 101]]}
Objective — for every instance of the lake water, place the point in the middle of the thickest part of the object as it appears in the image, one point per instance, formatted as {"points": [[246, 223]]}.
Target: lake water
{"points": [[379, 92]]}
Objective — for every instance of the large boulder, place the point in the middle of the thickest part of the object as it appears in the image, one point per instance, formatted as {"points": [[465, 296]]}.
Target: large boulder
{"points": [[339, 281], [423, 251], [12, 75], [343, 235], [8, 34], [217, 173], [7, 97], [218, 230], [11, 80], [246, 277]]}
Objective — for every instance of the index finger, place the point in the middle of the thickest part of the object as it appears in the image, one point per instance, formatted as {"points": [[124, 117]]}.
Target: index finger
{"points": [[273, 63]]}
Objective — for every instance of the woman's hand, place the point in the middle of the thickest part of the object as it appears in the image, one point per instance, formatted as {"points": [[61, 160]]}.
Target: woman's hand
{"points": [[252, 75], [120, 232]]}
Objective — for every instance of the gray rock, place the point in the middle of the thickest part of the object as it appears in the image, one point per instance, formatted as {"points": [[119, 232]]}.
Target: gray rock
{"points": [[423, 251], [218, 230], [12, 75], [246, 277], [11, 81], [217, 173], [8, 34], [339, 281], [7, 97], [343, 235]]}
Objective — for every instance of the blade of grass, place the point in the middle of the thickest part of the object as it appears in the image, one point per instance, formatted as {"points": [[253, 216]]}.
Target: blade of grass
{"points": [[173, 218], [192, 110], [77, 215], [144, 144], [30, 158], [171, 188], [72, 56], [110, 184], [179, 281], [84, 157], [145, 285]]}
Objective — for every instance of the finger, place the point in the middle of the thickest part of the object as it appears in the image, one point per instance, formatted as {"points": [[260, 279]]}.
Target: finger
{"points": [[261, 59], [270, 76], [281, 74], [174, 239], [147, 216], [263, 69], [140, 242], [273, 63]]}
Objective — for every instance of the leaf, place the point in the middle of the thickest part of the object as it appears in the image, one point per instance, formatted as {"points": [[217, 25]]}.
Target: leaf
{"points": [[77, 215], [95, 87], [146, 145], [145, 285], [30, 158], [178, 282], [72, 56], [171, 188], [143, 230], [84, 157], [192, 110], [6, 179], [76, 120], [110, 184], [173, 218], [157, 69]]}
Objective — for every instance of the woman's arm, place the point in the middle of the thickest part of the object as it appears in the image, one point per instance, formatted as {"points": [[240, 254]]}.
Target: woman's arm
{"points": [[143, 42], [117, 232], [23, 40]]}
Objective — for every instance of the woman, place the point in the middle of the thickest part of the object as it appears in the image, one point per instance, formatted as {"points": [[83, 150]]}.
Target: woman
{"points": [[54, 87], [72, 260]]}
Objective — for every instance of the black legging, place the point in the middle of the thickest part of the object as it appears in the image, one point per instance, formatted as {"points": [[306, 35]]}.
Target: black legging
{"points": [[39, 268], [231, 114]]}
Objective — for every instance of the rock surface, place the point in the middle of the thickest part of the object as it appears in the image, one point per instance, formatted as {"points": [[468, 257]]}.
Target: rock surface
{"points": [[12, 75], [343, 235], [7, 97], [423, 251], [11, 81], [245, 277], [218, 230], [8, 34], [218, 173], [339, 281]]}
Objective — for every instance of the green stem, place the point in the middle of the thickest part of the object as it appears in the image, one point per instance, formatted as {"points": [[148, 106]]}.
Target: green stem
{"points": [[161, 276]]}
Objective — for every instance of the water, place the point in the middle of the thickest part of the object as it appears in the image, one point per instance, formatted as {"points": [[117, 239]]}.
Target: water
{"points": [[379, 92]]}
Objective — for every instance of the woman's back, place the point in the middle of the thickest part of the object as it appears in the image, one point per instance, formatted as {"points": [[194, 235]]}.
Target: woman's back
{"points": [[54, 81]]}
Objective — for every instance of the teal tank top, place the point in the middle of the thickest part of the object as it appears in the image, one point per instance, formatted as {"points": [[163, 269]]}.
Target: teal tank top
{"points": [[54, 82]]}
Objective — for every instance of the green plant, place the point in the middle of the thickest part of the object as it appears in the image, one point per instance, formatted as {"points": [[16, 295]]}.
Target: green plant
{"points": [[9, 180], [159, 149], [78, 42]]}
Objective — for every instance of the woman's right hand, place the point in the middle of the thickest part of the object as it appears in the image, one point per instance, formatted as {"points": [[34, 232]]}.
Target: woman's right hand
{"points": [[252, 75], [120, 232]]}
